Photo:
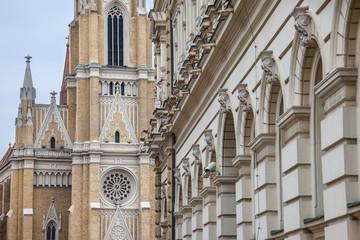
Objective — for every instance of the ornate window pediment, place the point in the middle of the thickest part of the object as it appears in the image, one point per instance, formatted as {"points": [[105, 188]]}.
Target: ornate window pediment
{"points": [[51, 223]]}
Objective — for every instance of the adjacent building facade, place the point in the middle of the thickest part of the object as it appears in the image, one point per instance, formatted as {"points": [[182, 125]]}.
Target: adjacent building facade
{"points": [[256, 119], [78, 170]]}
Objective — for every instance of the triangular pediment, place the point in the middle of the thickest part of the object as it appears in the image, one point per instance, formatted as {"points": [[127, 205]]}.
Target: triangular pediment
{"points": [[118, 120], [118, 228], [53, 125]]}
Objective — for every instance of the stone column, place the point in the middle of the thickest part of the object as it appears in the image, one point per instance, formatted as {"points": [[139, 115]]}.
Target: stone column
{"points": [[209, 212], [186, 212], [94, 112], [12, 221], [178, 226], [75, 212], [94, 186], [296, 169], [146, 181], [197, 220], [339, 143], [28, 193], [244, 204], [225, 207], [265, 192]]}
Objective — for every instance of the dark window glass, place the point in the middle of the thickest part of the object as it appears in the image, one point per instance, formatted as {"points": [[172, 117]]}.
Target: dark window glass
{"points": [[122, 89], [110, 40], [115, 37], [111, 86], [52, 142], [117, 137]]}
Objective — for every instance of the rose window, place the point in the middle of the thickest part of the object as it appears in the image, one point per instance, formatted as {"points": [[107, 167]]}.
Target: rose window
{"points": [[118, 185]]}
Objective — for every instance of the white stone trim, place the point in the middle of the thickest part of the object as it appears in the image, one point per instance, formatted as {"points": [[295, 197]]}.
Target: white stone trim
{"points": [[28, 211], [95, 205], [145, 205]]}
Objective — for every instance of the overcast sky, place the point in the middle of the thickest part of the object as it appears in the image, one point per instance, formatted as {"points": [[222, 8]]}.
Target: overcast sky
{"points": [[38, 28]]}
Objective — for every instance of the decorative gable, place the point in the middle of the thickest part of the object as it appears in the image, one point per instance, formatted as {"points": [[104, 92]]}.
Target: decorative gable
{"points": [[118, 229], [118, 121], [53, 127]]}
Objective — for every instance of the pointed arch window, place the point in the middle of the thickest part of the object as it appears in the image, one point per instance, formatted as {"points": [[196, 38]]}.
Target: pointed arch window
{"points": [[122, 89], [52, 142], [117, 137], [51, 231], [115, 37]]}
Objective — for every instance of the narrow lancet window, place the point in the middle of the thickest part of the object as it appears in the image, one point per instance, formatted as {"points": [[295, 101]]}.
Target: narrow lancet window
{"points": [[115, 37], [52, 142], [117, 137]]}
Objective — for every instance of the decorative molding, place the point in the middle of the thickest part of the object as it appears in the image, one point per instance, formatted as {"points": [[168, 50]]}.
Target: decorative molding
{"points": [[224, 100], [186, 166], [197, 154], [61, 126], [177, 176], [243, 97], [209, 139], [28, 211], [269, 66], [303, 24], [118, 230], [52, 219], [125, 118]]}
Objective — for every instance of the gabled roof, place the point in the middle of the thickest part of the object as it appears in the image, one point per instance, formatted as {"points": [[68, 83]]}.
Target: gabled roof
{"points": [[5, 160]]}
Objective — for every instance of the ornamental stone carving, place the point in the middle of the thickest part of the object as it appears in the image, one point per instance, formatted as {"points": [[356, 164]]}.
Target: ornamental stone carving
{"points": [[163, 191], [223, 100], [269, 67], [196, 153], [209, 139], [177, 176], [186, 166], [303, 24], [243, 97]]}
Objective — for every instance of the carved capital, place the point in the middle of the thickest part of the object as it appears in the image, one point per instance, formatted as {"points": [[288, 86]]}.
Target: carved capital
{"points": [[269, 67], [209, 139], [243, 97], [224, 100], [196, 153], [186, 166], [177, 176], [303, 24]]}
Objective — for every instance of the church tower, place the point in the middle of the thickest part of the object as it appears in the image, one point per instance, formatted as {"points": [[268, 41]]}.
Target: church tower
{"points": [[79, 169], [109, 97]]}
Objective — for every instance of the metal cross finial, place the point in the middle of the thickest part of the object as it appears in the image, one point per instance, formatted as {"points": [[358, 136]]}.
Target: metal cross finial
{"points": [[67, 39], [53, 93], [28, 57]]}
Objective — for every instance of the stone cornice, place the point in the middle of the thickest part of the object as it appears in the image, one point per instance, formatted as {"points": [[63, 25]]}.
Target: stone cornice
{"points": [[221, 180], [241, 160], [204, 90], [207, 191], [262, 140], [335, 80], [293, 115]]}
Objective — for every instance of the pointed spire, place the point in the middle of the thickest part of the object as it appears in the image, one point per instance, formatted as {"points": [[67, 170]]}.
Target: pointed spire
{"points": [[28, 92], [18, 120], [29, 120], [63, 93]]}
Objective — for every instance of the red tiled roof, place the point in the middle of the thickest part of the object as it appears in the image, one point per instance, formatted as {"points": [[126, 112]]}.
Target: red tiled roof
{"points": [[5, 160]]}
